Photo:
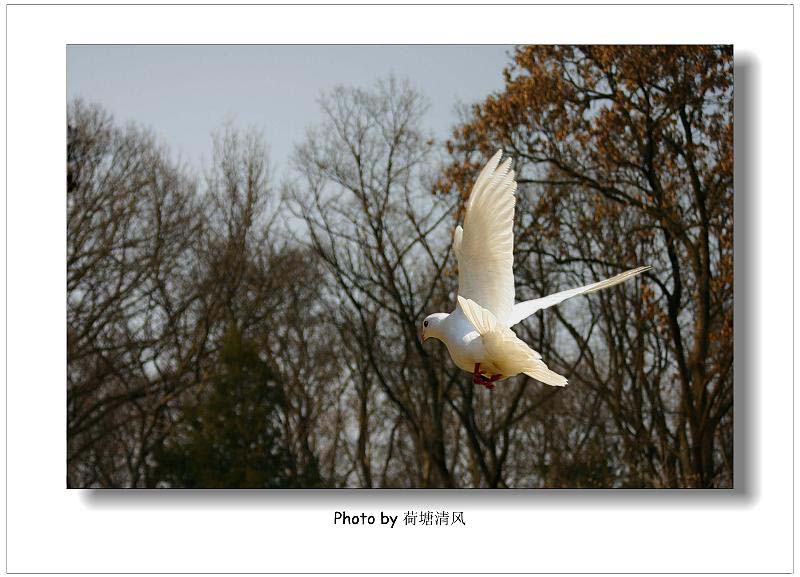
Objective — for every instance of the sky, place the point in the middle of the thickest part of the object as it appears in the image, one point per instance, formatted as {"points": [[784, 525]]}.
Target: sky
{"points": [[184, 93]]}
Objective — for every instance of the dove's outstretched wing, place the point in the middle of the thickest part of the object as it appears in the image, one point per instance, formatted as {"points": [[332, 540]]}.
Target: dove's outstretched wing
{"points": [[523, 310], [484, 246]]}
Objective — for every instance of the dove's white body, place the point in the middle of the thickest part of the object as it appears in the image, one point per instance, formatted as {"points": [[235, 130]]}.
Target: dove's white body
{"points": [[479, 331], [464, 343]]}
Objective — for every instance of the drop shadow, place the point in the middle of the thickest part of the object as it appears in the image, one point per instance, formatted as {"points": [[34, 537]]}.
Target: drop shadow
{"points": [[401, 500], [744, 493], [747, 298]]}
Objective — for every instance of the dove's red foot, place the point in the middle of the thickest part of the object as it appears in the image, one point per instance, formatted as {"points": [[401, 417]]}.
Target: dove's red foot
{"points": [[489, 383], [479, 379]]}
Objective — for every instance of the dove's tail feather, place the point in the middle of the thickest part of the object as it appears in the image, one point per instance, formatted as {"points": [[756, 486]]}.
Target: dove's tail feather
{"points": [[547, 376], [508, 353]]}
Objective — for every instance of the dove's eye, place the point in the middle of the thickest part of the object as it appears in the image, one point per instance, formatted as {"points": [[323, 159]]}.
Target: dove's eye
{"points": [[425, 324]]}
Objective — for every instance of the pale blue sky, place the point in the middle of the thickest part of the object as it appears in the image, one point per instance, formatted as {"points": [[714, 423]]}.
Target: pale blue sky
{"points": [[185, 92]]}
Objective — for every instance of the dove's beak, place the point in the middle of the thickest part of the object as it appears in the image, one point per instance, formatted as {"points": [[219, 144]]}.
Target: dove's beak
{"points": [[424, 337]]}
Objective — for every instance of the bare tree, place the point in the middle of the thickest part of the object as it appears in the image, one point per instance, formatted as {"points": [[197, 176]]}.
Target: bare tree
{"points": [[371, 222], [157, 272], [132, 222]]}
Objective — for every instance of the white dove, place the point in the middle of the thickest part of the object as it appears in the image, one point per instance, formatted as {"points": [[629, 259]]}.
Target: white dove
{"points": [[478, 333]]}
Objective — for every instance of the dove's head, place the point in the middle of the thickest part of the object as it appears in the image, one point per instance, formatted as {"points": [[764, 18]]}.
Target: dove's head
{"points": [[430, 326]]}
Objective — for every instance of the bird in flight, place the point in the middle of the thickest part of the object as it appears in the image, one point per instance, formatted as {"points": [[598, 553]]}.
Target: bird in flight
{"points": [[478, 333]]}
